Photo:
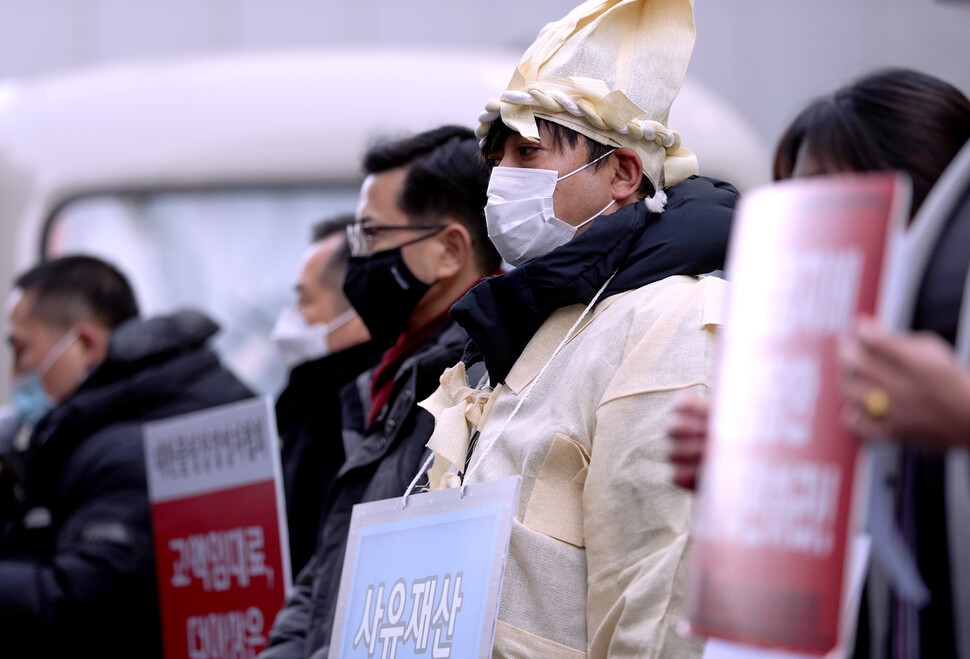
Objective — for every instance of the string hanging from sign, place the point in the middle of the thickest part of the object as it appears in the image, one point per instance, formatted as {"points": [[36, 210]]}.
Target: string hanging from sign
{"points": [[518, 406]]}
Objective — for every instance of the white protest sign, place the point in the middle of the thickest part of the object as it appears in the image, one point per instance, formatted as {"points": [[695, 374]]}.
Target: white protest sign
{"points": [[425, 579], [215, 485]]}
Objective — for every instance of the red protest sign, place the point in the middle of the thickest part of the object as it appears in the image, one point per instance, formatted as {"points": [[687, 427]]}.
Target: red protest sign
{"points": [[219, 529], [774, 506]]}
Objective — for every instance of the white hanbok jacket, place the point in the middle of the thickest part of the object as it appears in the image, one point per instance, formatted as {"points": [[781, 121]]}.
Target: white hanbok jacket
{"points": [[599, 552]]}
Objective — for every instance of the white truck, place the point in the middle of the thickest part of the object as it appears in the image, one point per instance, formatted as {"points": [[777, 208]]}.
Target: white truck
{"points": [[200, 178]]}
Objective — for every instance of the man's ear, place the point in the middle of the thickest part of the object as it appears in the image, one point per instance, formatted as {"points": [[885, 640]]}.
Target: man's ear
{"points": [[93, 339], [456, 249], [627, 174]]}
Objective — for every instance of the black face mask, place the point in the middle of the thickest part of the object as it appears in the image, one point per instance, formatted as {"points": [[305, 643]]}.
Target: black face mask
{"points": [[384, 292]]}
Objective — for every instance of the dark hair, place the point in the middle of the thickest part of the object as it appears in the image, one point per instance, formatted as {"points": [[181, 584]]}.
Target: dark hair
{"points": [[333, 271], [330, 226], [558, 134], [444, 179], [74, 288], [896, 119]]}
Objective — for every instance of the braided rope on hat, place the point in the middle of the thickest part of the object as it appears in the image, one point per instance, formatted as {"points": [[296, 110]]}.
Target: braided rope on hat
{"points": [[557, 101]]}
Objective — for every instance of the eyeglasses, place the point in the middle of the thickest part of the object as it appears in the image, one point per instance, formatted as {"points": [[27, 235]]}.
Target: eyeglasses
{"points": [[361, 237]]}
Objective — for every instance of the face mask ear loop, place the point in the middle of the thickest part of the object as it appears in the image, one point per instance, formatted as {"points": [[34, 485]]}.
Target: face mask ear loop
{"points": [[589, 164], [59, 349], [605, 208], [341, 320]]}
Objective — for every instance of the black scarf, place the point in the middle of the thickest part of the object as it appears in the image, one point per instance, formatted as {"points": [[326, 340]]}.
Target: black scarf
{"points": [[690, 237]]}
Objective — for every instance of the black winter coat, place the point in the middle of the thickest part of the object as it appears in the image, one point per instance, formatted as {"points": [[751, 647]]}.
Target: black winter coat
{"points": [[381, 462], [77, 570], [308, 419]]}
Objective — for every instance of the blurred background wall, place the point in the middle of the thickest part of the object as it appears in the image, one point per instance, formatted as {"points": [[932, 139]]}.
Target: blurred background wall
{"points": [[767, 57], [98, 163]]}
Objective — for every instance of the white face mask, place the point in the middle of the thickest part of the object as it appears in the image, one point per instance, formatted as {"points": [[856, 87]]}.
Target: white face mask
{"points": [[522, 223], [301, 342]]}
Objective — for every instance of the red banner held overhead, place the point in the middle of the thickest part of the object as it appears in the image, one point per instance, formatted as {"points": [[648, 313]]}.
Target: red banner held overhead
{"points": [[774, 507], [220, 535]]}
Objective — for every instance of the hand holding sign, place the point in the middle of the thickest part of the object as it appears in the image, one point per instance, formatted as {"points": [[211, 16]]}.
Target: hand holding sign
{"points": [[688, 431], [926, 389], [773, 513]]}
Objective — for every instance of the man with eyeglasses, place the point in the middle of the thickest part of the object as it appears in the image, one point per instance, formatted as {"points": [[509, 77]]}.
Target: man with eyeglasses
{"points": [[418, 244]]}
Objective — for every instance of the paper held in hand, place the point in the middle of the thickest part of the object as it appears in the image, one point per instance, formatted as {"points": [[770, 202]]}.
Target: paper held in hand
{"points": [[776, 502]]}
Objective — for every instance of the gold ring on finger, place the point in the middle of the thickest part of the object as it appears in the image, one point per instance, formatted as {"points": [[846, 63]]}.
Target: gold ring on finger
{"points": [[876, 403]]}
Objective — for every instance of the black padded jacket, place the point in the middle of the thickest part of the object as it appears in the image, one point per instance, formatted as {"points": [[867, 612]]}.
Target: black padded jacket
{"points": [[77, 572]]}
